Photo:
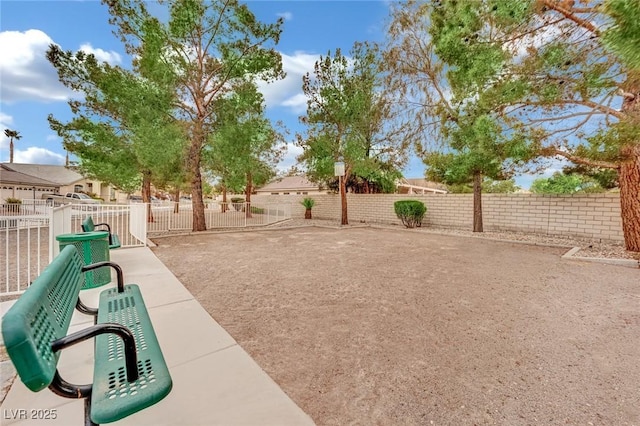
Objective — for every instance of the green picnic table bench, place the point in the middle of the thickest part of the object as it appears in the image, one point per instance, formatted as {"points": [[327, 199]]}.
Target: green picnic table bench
{"points": [[129, 372], [89, 226]]}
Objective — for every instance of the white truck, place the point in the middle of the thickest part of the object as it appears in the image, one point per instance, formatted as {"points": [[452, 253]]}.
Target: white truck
{"points": [[69, 198]]}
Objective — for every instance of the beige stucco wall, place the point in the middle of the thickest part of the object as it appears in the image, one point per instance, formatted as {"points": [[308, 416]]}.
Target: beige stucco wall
{"points": [[594, 216]]}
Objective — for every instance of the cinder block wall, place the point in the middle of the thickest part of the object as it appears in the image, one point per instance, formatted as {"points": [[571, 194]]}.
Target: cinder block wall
{"points": [[591, 215], [594, 216]]}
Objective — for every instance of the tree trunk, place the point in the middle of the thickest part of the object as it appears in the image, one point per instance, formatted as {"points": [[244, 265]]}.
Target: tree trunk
{"points": [[197, 203], [146, 193], [477, 202], [199, 223], [225, 207], [176, 201], [343, 199], [11, 150], [247, 195], [629, 172], [307, 214], [629, 176]]}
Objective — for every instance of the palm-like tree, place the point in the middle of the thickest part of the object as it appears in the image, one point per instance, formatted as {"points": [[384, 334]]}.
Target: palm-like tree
{"points": [[11, 134]]}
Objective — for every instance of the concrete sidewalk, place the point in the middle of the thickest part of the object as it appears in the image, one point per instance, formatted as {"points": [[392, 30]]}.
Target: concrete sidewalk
{"points": [[215, 382]]}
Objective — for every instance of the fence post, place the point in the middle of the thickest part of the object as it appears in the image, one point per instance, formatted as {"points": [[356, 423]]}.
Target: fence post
{"points": [[52, 237], [138, 221]]}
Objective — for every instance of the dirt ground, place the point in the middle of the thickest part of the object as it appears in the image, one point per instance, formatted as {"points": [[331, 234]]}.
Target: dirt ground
{"points": [[380, 326]]}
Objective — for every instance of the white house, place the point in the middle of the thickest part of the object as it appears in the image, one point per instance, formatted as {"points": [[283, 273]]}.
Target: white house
{"points": [[64, 179]]}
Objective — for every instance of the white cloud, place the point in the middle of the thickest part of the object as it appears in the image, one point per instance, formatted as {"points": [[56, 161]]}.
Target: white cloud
{"points": [[26, 73], [534, 40], [288, 92], [297, 103], [289, 158], [36, 155], [111, 57], [287, 16], [300, 62], [5, 119]]}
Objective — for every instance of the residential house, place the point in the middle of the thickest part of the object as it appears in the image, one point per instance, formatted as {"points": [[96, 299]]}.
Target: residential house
{"points": [[290, 185], [19, 185], [65, 179], [296, 185], [419, 186]]}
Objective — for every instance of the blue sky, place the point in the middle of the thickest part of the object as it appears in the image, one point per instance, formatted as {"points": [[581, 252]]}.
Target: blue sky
{"points": [[29, 87]]}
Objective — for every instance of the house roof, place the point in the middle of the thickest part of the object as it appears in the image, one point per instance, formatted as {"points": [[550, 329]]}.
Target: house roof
{"points": [[60, 175], [8, 176], [424, 183], [289, 183]]}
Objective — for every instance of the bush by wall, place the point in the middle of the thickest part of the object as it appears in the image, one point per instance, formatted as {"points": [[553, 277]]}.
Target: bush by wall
{"points": [[594, 216], [410, 212]]}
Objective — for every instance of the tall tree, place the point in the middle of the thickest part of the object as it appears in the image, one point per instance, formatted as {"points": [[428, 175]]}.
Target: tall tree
{"points": [[561, 183], [206, 47], [346, 121], [436, 84], [557, 75], [623, 30], [244, 148], [12, 134], [119, 122], [572, 78]]}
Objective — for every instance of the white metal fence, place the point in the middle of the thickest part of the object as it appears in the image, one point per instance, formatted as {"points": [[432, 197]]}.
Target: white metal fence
{"points": [[167, 218], [28, 231], [24, 239]]}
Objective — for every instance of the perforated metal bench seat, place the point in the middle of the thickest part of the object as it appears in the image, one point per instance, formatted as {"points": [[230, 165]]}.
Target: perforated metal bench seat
{"points": [[113, 397], [130, 372], [89, 226]]}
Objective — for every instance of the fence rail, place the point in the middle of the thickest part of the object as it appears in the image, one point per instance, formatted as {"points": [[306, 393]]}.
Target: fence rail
{"points": [[167, 218], [25, 250], [28, 230]]}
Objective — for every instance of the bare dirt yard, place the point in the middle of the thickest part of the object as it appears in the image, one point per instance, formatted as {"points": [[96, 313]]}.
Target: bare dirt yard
{"points": [[381, 326]]}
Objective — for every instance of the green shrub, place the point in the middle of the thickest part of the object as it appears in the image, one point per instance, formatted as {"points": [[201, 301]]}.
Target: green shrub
{"points": [[12, 200], [308, 203], [410, 212], [257, 210]]}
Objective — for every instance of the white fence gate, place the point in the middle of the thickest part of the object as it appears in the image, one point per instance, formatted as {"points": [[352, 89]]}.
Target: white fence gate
{"points": [[27, 235]]}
